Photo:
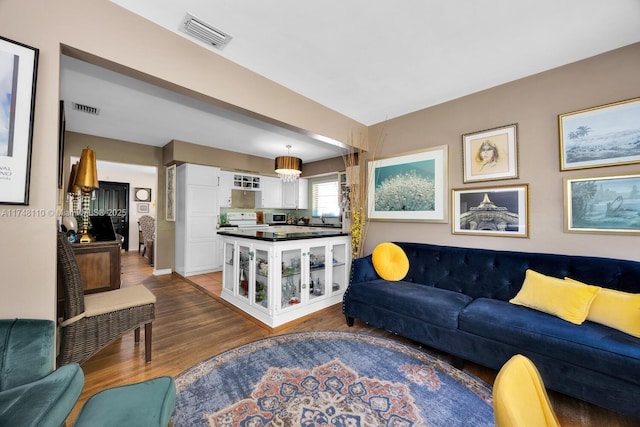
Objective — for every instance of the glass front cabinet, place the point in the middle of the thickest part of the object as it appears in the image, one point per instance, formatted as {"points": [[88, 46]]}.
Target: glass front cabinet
{"points": [[279, 282]]}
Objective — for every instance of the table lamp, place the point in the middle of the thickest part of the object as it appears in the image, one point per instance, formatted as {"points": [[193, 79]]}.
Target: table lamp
{"points": [[69, 218], [87, 180]]}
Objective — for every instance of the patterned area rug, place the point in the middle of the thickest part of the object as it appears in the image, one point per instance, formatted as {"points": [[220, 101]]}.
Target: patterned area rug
{"points": [[315, 379]]}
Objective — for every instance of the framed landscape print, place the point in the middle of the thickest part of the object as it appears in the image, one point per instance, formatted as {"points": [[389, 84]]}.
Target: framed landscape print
{"points": [[491, 211], [607, 135], [409, 187], [490, 154], [18, 70], [609, 205]]}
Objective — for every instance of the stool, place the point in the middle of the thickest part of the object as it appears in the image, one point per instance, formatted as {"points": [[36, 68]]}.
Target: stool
{"points": [[146, 404]]}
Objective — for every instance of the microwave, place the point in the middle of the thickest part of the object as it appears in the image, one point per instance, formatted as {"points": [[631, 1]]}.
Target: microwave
{"points": [[275, 218]]}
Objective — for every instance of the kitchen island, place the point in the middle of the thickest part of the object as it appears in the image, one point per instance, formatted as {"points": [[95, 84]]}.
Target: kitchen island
{"points": [[283, 274]]}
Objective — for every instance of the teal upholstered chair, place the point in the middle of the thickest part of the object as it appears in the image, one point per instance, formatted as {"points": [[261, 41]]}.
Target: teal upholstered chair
{"points": [[32, 392], [146, 404]]}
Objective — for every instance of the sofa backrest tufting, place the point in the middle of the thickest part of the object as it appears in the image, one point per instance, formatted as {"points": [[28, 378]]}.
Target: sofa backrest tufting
{"points": [[499, 274]]}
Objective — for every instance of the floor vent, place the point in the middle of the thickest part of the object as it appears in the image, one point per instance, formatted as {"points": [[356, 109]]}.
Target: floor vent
{"points": [[85, 109], [205, 32]]}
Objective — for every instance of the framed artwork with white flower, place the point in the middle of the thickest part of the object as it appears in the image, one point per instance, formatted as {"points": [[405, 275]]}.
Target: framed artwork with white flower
{"points": [[410, 187]]}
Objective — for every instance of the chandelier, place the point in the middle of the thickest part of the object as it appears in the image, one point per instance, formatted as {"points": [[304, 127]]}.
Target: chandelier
{"points": [[288, 168]]}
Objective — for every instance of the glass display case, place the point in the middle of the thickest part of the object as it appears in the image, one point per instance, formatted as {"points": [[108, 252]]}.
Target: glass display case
{"points": [[278, 282]]}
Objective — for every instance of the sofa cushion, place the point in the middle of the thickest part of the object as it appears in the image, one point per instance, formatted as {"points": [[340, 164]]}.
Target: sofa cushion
{"points": [[589, 345], [567, 300], [433, 305], [616, 309], [390, 261]]}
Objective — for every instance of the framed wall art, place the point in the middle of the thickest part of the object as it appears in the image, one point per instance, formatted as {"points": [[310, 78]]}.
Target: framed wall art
{"points": [[491, 211], [170, 196], [409, 187], [143, 207], [606, 135], [491, 154], [606, 205], [18, 71], [142, 194]]}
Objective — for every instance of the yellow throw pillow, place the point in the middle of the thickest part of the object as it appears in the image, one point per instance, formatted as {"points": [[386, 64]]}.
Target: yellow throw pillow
{"points": [[568, 301], [615, 309], [390, 261]]}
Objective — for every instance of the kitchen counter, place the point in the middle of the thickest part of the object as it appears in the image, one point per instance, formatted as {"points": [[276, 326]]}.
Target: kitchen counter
{"points": [[283, 233]]}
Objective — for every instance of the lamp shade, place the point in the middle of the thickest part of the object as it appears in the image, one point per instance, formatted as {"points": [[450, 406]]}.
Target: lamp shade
{"points": [[87, 173], [73, 188], [288, 168]]}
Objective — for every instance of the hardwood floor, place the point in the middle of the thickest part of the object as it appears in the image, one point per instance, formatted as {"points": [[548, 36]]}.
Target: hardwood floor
{"points": [[191, 326]]}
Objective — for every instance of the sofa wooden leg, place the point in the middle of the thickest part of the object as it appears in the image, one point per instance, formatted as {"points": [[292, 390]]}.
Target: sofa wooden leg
{"points": [[147, 342], [457, 362], [136, 334], [349, 320]]}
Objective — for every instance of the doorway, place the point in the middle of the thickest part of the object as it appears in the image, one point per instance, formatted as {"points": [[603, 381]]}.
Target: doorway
{"points": [[112, 199]]}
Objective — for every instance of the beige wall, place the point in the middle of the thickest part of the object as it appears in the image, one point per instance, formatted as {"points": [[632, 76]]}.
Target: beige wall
{"points": [[103, 30], [106, 31], [534, 103], [136, 154]]}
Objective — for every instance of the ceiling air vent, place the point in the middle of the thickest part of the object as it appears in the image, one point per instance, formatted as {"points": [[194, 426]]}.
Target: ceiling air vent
{"points": [[205, 32], [85, 109]]}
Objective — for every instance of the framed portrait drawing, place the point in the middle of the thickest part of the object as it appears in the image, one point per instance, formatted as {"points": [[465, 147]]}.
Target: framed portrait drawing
{"points": [[18, 70], [490, 154], [606, 135], [170, 196], [491, 211], [409, 187], [605, 205]]}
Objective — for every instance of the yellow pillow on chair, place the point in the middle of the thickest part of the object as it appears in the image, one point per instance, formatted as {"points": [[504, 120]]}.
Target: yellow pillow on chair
{"points": [[615, 309], [566, 300], [390, 261]]}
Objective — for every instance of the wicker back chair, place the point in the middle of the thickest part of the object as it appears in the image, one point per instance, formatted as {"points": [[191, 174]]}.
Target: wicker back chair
{"points": [[91, 322], [148, 228]]}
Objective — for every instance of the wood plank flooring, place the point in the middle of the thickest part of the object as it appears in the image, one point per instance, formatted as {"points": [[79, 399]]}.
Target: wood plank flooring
{"points": [[191, 326]]}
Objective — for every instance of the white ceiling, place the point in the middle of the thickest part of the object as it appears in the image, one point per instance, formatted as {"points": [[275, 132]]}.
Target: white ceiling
{"points": [[370, 60]]}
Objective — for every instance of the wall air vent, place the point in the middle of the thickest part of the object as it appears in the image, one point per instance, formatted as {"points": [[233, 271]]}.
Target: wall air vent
{"points": [[205, 32], [85, 108]]}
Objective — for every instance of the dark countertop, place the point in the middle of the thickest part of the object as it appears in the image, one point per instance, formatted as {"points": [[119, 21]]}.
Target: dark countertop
{"points": [[271, 236]]}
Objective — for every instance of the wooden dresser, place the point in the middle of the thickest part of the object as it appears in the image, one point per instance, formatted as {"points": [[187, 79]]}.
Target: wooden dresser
{"points": [[99, 264]]}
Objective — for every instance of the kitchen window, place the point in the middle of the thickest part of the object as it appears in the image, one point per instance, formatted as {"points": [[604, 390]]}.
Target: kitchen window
{"points": [[325, 197]]}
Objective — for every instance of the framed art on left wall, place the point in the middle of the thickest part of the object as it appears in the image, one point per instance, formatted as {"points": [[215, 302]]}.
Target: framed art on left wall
{"points": [[18, 71]]}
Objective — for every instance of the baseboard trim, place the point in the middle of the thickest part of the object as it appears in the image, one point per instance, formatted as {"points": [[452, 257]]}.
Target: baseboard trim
{"points": [[162, 272]]}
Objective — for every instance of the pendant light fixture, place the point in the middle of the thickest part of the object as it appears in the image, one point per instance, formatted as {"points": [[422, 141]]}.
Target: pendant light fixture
{"points": [[288, 168]]}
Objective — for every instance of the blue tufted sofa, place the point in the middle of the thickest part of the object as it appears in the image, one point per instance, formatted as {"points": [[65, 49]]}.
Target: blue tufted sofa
{"points": [[456, 300]]}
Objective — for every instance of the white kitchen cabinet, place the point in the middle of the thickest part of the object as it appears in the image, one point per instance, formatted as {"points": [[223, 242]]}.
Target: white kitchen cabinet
{"points": [[270, 195], [295, 194], [196, 249], [225, 185], [272, 281]]}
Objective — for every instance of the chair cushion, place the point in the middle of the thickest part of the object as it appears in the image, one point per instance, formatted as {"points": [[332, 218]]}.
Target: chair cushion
{"points": [[146, 404], [43, 403], [118, 299], [27, 349]]}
